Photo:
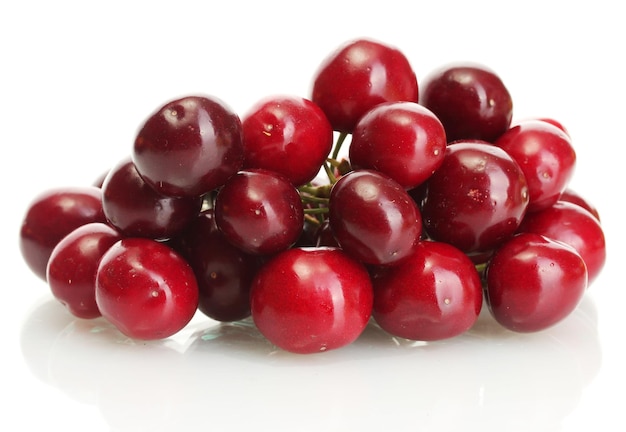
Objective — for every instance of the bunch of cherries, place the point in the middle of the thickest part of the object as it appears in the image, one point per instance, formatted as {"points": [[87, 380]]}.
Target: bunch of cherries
{"points": [[439, 204]]}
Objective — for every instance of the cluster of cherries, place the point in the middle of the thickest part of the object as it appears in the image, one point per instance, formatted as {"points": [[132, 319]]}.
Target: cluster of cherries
{"points": [[439, 204]]}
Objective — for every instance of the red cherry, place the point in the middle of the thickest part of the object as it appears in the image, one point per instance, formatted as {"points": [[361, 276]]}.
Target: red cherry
{"points": [[307, 300], [145, 289], [574, 197], [403, 140], [137, 210], [546, 156], [189, 146], [51, 216], [534, 282], [72, 267], [572, 225], [434, 294], [471, 101], [476, 199], [373, 218], [358, 76], [289, 135]]}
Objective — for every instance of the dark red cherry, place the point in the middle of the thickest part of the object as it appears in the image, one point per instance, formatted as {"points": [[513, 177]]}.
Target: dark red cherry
{"points": [[358, 76], [574, 197], [52, 215], [471, 101], [289, 135], [189, 146], [145, 289], [403, 140], [476, 199], [72, 267], [308, 300], [137, 210], [534, 282], [259, 211], [373, 218], [434, 294]]}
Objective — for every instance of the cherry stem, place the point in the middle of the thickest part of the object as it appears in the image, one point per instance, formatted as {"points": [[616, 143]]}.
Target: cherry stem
{"points": [[340, 139], [315, 210]]}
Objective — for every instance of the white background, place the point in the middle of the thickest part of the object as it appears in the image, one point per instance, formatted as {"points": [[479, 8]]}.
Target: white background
{"points": [[77, 78]]}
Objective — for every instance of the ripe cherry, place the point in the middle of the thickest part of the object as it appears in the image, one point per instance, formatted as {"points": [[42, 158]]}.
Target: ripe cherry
{"points": [[145, 289], [434, 294], [403, 140], [289, 135], [72, 267], [358, 76], [52, 215], [308, 300], [534, 282], [574, 197], [189, 146]]}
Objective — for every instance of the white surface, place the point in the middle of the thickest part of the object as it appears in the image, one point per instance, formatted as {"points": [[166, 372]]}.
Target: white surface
{"points": [[77, 79]]}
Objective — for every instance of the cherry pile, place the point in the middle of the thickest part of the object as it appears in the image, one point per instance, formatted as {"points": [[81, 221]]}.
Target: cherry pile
{"points": [[438, 204]]}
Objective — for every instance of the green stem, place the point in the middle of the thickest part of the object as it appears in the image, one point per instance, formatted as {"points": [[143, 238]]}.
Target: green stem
{"points": [[329, 173], [340, 139], [316, 210]]}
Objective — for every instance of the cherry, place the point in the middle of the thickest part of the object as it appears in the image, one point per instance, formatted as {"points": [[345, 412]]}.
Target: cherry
{"points": [[476, 199], [534, 282], [575, 226], [223, 272], [145, 289], [259, 211], [307, 300], [434, 294], [574, 197], [52, 215], [401, 139], [471, 101], [137, 210], [189, 146], [71, 271], [373, 218], [289, 135], [546, 156], [358, 76]]}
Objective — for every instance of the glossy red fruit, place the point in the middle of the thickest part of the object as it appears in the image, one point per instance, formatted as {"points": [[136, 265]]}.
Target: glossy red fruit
{"points": [[189, 146], [575, 226], [52, 215], [574, 197], [358, 76], [289, 135], [471, 101], [145, 289], [137, 210], [72, 267], [546, 156], [223, 272], [373, 218], [476, 199], [259, 211], [403, 140], [534, 282], [308, 300], [434, 294]]}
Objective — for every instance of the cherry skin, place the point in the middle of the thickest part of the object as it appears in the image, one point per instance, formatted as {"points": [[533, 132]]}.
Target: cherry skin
{"points": [[434, 294], [289, 135], [471, 101], [373, 218], [308, 300], [259, 211], [145, 289], [52, 215], [570, 195], [137, 210], [401, 139], [546, 156], [476, 199], [534, 282], [359, 75], [189, 146], [223, 272], [572, 225], [72, 267]]}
